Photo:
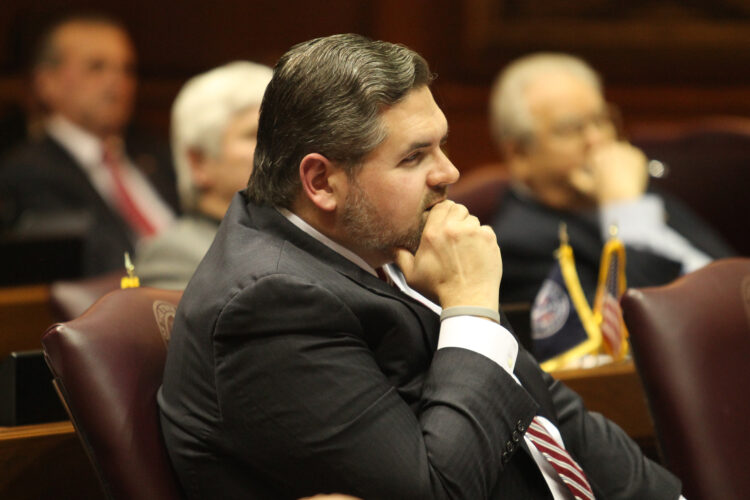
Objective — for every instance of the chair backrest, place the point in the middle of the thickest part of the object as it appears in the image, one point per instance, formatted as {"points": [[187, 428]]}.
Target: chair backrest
{"points": [[108, 366], [481, 190], [691, 344], [707, 161]]}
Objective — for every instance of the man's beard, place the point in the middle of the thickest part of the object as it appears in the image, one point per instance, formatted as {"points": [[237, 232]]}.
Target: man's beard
{"points": [[369, 230]]}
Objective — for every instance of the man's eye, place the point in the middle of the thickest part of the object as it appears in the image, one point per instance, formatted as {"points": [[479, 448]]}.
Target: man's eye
{"points": [[412, 157], [96, 66]]}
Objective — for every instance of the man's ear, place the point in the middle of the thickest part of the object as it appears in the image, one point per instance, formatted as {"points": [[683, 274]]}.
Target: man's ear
{"points": [[516, 154], [322, 181], [45, 87]]}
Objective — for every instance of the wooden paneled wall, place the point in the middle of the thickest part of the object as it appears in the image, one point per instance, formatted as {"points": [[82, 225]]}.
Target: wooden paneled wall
{"points": [[662, 61]]}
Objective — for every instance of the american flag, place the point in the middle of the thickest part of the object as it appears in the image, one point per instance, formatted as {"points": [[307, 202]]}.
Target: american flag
{"points": [[607, 304]]}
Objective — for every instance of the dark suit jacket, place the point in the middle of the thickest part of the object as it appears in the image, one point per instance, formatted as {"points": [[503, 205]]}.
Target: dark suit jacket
{"points": [[292, 371], [527, 233], [43, 178]]}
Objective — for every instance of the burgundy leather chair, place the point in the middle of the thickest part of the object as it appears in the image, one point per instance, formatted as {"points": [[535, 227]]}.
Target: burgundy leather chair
{"points": [[691, 344], [708, 168], [107, 366]]}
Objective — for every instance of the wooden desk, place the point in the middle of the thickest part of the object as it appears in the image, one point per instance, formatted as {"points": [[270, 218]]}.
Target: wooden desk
{"points": [[45, 461], [616, 392], [25, 314]]}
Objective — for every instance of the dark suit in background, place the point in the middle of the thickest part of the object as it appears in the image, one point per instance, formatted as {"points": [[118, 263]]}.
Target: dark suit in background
{"points": [[292, 371], [528, 235], [42, 178]]}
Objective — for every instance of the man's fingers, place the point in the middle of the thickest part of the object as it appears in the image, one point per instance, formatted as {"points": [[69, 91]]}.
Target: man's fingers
{"points": [[447, 210], [439, 212]]}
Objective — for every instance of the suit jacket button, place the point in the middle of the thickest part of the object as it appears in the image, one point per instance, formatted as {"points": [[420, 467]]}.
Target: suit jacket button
{"points": [[520, 427], [509, 446], [505, 457], [516, 436]]}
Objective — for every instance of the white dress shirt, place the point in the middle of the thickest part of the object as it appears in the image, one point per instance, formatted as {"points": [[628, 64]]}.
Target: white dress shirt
{"points": [[641, 223], [87, 150]]}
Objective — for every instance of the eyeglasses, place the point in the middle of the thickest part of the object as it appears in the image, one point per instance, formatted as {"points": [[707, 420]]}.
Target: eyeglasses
{"points": [[575, 127]]}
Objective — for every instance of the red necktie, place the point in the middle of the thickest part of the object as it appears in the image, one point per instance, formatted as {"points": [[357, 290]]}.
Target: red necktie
{"points": [[567, 468], [136, 219], [384, 276]]}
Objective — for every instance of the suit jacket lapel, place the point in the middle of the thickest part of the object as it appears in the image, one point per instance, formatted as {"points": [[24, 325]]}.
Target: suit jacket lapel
{"points": [[76, 175]]}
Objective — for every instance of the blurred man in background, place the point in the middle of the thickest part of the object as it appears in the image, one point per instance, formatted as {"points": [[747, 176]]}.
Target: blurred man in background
{"points": [[554, 128], [86, 165], [214, 127]]}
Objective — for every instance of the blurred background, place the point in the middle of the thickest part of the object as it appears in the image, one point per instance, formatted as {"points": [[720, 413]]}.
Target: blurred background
{"points": [[676, 70], [662, 60]]}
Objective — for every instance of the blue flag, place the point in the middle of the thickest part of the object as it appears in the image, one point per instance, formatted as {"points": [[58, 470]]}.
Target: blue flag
{"points": [[563, 328], [555, 325]]}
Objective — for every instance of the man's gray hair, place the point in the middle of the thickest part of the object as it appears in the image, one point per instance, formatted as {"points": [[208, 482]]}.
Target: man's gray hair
{"points": [[326, 97], [202, 111], [510, 117]]}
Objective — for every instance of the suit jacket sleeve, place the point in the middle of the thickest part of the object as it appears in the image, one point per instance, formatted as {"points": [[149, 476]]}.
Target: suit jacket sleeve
{"points": [[319, 396]]}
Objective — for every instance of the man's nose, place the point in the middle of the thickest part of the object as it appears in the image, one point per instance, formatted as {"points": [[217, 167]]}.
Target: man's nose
{"points": [[596, 134], [445, 172]]}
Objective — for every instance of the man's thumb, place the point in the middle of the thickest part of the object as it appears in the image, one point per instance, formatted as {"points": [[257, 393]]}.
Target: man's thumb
{"points": [[405, 261]]}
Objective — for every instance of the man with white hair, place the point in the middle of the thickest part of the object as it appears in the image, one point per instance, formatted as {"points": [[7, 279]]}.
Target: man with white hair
{"points": [[554, 128], [214, 126]]}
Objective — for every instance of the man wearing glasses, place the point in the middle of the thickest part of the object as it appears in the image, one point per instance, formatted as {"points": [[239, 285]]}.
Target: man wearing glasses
{"points": [[555, 130]]}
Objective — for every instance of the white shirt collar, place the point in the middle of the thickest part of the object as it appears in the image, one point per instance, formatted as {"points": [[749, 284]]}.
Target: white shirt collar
{"points": [[85, 147], [343, 251]]}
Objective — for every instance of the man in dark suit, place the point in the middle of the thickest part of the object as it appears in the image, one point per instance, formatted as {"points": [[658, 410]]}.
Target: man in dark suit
{"points": [[304, 360], [554, 128], [86, 164]]}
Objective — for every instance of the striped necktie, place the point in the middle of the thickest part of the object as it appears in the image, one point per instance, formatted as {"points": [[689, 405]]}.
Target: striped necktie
{"points": [[567, 468], [385, 277]]}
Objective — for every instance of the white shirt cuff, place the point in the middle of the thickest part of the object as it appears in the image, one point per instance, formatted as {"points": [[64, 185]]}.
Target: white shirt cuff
{"points": [[481, 336], [637, 220]]}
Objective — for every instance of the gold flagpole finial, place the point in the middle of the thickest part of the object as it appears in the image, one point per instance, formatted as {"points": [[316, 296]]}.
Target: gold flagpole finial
{"points": [[613, 230], [129, 267], [563, 233], [131, 280]]}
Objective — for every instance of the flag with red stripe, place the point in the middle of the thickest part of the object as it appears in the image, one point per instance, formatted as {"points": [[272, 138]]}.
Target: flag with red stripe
{"points": [[607, 309]]}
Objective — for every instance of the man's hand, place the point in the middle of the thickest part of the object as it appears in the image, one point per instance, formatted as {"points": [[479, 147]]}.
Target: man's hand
{"points": [[458, 261], [614, 172]]}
